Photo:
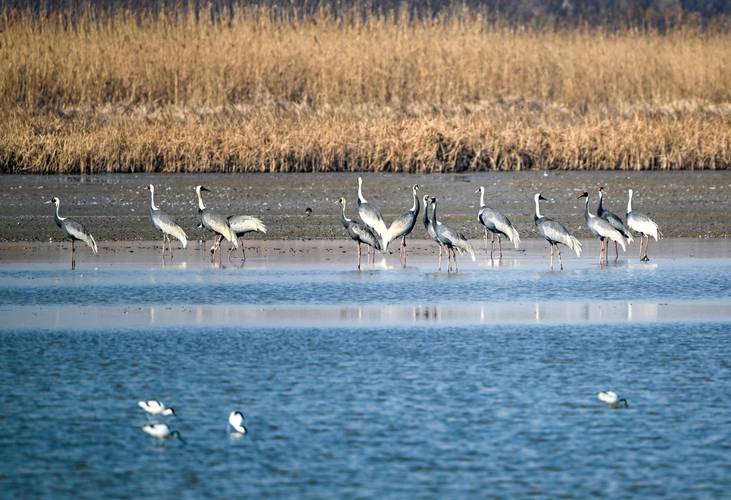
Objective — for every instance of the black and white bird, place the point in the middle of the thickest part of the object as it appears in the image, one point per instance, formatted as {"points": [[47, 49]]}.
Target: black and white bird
{"points": [[358, 232], [614, 220], [403, 225], [612, 399], [641, 223], [451, 239], [497, 224], [161, 431], [73, 230], [372, 218], [602, 229], [554, 233], [237, 420], [216, 223], [155, 407], [166, 224], [430, 230], [242, 225]]}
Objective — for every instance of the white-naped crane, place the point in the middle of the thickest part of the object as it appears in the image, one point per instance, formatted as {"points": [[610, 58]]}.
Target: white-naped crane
{"points": [[215, 223], [641, 223], [73, 230], [614, 220], [430, 230], [602, 229], [403, 225], [360, 233], [451, 239], [554, 232], [242, 225], [497, 224], [166, 224], [372, 218]]}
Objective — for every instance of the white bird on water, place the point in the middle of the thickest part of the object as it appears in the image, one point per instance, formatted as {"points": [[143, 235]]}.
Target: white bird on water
{"points": [[611, 399], [237, 420], [155, 407], [161, 431]]}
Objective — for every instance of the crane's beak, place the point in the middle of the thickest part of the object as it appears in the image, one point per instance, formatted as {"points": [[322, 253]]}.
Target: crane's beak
{"points": [[584, 195], [540, 197], [204, 189], [48, 202]]}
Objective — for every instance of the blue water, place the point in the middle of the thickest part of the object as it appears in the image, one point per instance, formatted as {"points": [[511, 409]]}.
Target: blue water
{"points": [[382, 411]]}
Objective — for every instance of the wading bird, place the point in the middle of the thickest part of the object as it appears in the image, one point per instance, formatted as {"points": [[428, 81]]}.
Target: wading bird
{"points": [[554, 233], [430, 231], [244, 224], [402, 227], [496, 223], [166, 224], [641, 223], [372, 218], [216, 223], [451, 239], [359, 233], [155, 407], [611, 399], [161, 431], [602, 229], [74, 231], [614, 220], [237, 420]]}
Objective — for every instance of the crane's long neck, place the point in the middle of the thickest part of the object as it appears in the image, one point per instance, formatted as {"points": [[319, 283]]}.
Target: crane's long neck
{"points": [[600, 206], [415, 208], [629, 202], [426, 213], [57, 216], [482, 198], [361, 199], [152, 198], [587, 214], [538, 208], [434, 213], [201, 206], [343, 219]]}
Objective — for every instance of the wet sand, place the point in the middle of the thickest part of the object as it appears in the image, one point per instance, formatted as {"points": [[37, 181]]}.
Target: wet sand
{"points": [[115, 207]]}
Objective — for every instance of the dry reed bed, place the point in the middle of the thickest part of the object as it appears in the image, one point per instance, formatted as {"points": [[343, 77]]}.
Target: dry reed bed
{"points": [[261, 93]]}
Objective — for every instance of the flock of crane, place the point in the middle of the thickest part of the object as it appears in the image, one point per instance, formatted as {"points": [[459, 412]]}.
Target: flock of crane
{"points": [[373, 232]]}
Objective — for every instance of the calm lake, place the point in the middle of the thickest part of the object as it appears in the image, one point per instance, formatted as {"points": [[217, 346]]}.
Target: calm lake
{"points": [[387, 382]]}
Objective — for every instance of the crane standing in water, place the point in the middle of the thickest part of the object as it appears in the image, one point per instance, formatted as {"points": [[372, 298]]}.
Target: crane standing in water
{"points": [[402, 227], [641, 223], [358, 232], [554, 232], [614, 220], [216, 223], [496, 223], [74, 231], [166, 224], [603, 230]]}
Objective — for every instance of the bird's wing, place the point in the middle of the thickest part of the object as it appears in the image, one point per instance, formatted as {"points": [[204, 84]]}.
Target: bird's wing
{"points": [[457, 240], [167, 225], [77, 231], [555, 231], [618, 224], [402, 226], [606, 230], [495, 221], [218, 223], [637, 221], [372, 218], [364, 235], [241, 224]]}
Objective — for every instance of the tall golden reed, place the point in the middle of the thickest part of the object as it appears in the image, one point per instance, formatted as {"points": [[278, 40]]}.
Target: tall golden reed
{"points": [[265, 90]]}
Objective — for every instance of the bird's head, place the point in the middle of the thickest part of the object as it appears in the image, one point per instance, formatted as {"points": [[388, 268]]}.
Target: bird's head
{"points": [[201, 188], [480, 190], [150, 187], [53, 200], [539, 196], [341, 202], [583, 195], [415, 188], [601, 189], [169, 411]]}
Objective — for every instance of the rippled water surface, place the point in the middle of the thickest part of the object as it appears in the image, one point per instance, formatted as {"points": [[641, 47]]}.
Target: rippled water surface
{"points": [[413, 407]]}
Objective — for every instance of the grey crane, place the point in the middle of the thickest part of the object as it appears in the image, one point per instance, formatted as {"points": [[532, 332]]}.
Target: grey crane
{"points": [[166, 224], [602, 229], [358, 232], [404, 224], [74, 231], [496, 223], [641, 223], [554, 233], [216, 223], [242, 225], [430, 230], [450, 238], [614, 220], [371, 217]]}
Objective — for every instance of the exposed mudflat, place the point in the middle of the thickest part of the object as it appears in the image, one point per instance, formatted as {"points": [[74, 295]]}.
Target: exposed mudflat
{"points": [[115, 207]]}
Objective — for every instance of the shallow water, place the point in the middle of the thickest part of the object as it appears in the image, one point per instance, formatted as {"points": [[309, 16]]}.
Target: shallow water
{"points": [[447, 402]]}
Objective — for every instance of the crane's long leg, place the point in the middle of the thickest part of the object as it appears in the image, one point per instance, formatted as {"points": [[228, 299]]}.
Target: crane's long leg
{"points": [[616, 251], [601, 251], [164, 236], [551, 255], [73, 255], [403, 244], [492, 246], [500, 244], [642, 237], [647, 243], [440, 257], [170, 247], [359, 254], [243, 248], [560, 258], [454, 258], [486, 242]]}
